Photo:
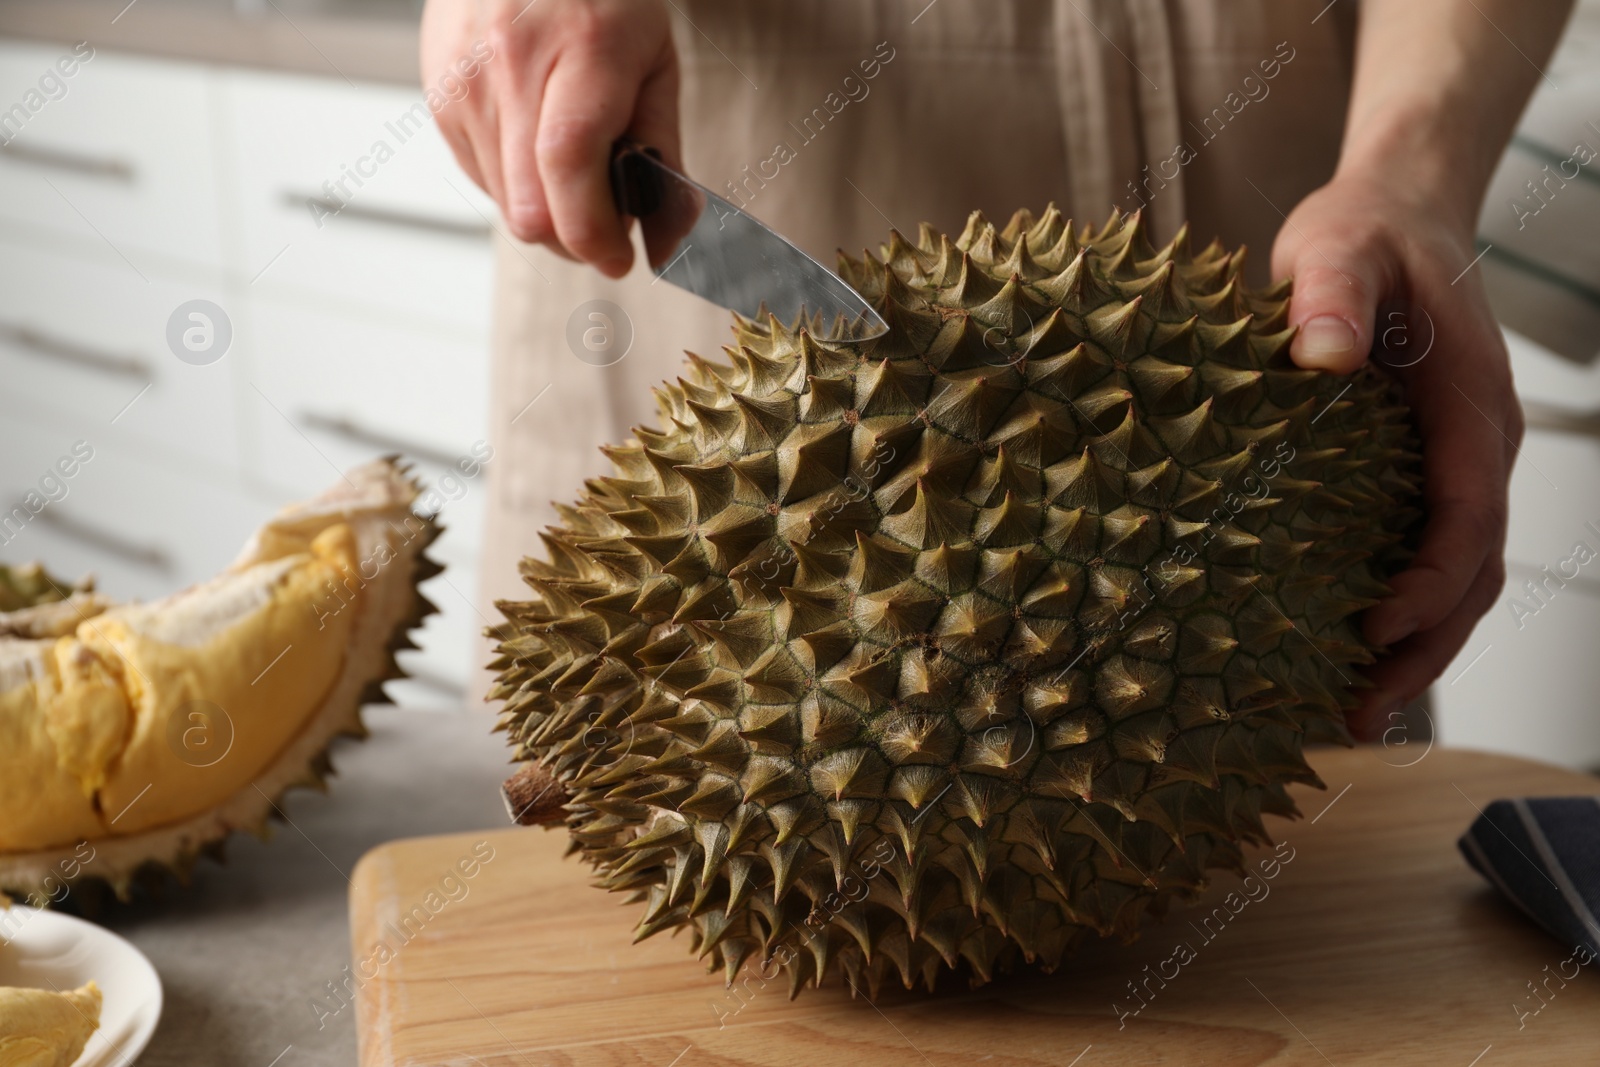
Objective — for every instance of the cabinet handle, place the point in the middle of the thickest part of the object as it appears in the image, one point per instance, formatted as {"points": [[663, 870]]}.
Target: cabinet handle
{"points": [[41, 344], [74, 162], [1559, 419], [389, 216], [111, 544], [340, 426], [437, 682]]}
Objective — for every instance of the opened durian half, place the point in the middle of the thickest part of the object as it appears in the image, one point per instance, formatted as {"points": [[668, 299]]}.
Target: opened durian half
{"points": [[949, 649], [145, 733]]}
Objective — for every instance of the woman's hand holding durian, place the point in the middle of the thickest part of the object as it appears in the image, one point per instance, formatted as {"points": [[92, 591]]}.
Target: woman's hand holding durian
{"points": [[1439, 85]]}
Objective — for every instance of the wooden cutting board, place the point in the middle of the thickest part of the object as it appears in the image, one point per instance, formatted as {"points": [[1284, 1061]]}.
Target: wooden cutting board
{"points": [[1373, 943]]}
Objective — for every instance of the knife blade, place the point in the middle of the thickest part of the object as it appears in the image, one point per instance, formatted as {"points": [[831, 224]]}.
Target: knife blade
{"points": [[700, 242]]}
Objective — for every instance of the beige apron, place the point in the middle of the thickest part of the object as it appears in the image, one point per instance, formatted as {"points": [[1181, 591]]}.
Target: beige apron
{"points": [[1221, 112]]}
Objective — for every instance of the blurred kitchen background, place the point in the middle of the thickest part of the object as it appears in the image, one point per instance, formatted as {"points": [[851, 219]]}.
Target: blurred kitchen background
{"points": [[187, 159]]}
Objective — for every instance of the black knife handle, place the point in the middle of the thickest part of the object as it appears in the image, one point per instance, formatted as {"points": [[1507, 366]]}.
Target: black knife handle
{"points": [[635, 184]]}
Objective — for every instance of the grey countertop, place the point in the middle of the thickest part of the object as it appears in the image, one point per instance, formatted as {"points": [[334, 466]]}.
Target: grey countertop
{"points": [[245, 949], [373, 40]]}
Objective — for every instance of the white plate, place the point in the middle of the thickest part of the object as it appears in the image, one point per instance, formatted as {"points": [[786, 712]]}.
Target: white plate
{"points": [[46, 949]]}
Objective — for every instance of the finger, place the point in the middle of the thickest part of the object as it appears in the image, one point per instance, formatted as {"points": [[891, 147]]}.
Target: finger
{"points": [[520, 93], [1336, 293], [1464, 489], [655, 114], [461, 147], [1401, 677], [655, 125], [1456, 541], [483, 140], [586, 107]]}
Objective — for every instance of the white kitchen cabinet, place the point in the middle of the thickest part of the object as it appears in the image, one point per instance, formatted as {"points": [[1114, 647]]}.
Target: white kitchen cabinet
{"points": [[1528, 684], [397, 229], [87, 336], [127, 156], [350, 384], [1531, 691], [154, 182], [142, 527]]}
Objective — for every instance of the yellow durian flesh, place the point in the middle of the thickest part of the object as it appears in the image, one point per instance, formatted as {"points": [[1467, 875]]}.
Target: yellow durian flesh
{"points": [[266, 669], [44, 1028], [42, 774]]}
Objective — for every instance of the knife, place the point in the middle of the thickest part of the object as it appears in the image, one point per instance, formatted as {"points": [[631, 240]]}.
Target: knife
{"points": [[702, 243]]}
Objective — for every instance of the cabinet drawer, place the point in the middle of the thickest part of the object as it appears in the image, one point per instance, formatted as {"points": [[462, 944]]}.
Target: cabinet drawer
{"points": [[88, 338], [1555, 490], [144, 528], [1525, 680], [411, 237], [326, 391], [349, 386], [1532, 692], [1555, 486], [125, 156]]}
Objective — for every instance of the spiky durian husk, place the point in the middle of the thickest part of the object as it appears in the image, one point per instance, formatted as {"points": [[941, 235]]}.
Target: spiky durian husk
{"points": [[376, 499], [1007, 620]]}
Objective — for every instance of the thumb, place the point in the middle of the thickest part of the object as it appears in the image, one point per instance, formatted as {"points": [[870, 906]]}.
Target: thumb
{"points": [[1334, 303]]}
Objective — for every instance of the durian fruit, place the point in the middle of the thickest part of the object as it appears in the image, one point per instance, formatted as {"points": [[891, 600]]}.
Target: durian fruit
{"points": [[33, 603], [145, 733], [46, 1028], [950, 649], [29, 584]]}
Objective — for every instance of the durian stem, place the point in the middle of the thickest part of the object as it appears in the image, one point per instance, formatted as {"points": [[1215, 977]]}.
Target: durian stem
{"points": [[534, 798]]}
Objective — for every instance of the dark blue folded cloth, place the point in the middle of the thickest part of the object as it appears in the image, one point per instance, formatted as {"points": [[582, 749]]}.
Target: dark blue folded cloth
{"points": [[1543, 853]]}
